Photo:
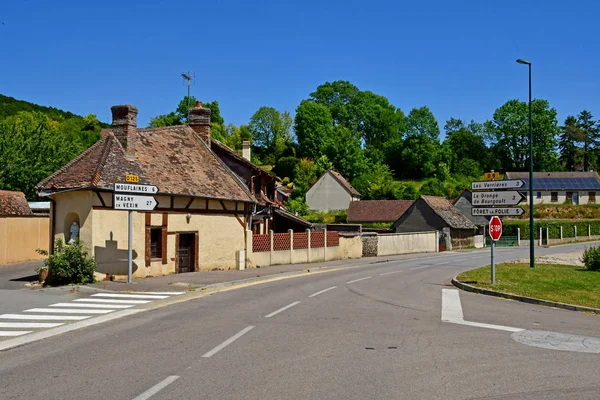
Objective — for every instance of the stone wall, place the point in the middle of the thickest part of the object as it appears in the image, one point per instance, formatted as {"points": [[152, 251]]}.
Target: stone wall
{"points": [[369, 247]]}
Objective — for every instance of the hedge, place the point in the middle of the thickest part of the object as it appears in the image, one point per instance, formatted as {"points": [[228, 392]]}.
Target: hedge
{"points": [[510, 228]]}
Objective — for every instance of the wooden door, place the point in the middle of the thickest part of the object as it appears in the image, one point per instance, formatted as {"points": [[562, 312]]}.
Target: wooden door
{"points": [[185, 253]]}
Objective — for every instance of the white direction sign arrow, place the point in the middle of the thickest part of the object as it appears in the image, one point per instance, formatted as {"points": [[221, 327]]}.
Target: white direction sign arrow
{"points": [[133, 202], [509, 184], [136, 188], [508, 198], [503, 211]]}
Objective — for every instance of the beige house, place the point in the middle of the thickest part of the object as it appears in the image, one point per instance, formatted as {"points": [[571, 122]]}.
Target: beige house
{"points": [[331, 192], [203, 211], [559, 187]]}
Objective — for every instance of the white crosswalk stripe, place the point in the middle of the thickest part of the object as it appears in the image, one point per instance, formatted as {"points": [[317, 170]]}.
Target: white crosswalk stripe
{"points": [[113, 301], [44, 317], [68, 310], [131, 296], [21, 325], [13, 333], [92, 308], [85, 305]]}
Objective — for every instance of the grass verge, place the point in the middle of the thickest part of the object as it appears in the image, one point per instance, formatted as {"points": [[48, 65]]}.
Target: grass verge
{"points": [[561, 283]]}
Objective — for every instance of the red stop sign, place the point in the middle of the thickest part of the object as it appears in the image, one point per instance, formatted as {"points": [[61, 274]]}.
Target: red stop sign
{"points": [[495, 228]]}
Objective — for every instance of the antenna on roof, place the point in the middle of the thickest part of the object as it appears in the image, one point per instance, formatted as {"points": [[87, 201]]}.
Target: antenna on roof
{"points": [[188, 78]]}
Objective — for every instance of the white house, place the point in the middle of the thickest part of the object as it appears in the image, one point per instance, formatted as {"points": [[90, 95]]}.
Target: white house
{"points": [[331, 192], [559, 187]]}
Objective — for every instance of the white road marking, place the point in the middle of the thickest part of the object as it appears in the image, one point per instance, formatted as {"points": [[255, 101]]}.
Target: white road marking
{"points": [[447, 262], [85, 305], [281, 309], [26, 325], [322, 291], [393, 272], [45, 317], [161, 293], [358, 280], [68, 311], [157, 388], [424, 266], [130, 296], [114, 301], [20, 341], [452, 312], [13, 333], [228, 341]]}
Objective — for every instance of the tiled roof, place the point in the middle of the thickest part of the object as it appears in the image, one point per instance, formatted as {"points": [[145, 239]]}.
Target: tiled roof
{"points": [[13, 204], [238, 157], [377, 210], [286, 214], [174, 158], [446, 211], [466, 205], [344, 182]]}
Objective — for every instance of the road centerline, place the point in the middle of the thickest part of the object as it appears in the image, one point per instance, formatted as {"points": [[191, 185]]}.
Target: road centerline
{"points": [[281, 309], [157, 388], [358, 280], [322, 291], [227, 342], [393, 272]]}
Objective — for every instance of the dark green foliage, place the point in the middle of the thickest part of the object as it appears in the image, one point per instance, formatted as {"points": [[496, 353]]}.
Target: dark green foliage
{"points": [[69, 264], [286, 167], [591, 258], [33, 146], [590, 132], [568, 143], [11, 106], [510, 228]]}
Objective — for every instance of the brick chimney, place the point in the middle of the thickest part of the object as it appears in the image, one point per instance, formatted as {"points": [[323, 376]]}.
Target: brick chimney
{"points": [[200, 120], [124, 124], [246, 149]]}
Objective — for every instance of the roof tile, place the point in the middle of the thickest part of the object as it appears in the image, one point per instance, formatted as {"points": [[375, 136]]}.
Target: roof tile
{"points": [[377, 210], [13, 204], [446, 211]]}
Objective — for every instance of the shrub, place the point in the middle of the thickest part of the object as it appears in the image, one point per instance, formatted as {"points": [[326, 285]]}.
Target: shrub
{"points": [[70, 264], [591, 258]]}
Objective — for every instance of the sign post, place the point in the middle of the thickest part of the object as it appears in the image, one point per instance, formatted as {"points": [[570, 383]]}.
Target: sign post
{"points": [[495, 230], [124, 200]]}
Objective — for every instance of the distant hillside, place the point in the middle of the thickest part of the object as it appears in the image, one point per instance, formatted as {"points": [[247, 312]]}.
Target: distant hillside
{"points": [[11, 106]]}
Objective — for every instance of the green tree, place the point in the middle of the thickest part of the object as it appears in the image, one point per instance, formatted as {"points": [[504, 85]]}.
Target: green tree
{"points": [[286, 167], [509, 131], [337, 96], [271, 132], [306, 176], [570, 137], [313, 126], [462, 143], [33, 146], [590, 132], [421, 122]]}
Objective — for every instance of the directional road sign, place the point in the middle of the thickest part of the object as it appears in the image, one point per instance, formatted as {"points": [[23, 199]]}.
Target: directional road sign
{"points": [[489, 185], [135, 188], [495, 228], [508, 198], [125, 201], [504, 211]]}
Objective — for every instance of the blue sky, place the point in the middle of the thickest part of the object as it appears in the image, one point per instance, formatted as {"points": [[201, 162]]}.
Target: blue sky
{"points": [[457, 57]]}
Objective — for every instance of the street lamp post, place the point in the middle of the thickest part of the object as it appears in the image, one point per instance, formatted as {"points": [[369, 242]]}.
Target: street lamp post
{"points": [[531, 228]]}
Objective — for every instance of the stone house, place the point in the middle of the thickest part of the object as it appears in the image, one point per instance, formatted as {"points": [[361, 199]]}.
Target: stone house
{"points": [[207, 197]]}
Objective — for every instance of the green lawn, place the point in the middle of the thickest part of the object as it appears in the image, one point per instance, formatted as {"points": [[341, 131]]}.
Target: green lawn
{"points": [[561, 283]]}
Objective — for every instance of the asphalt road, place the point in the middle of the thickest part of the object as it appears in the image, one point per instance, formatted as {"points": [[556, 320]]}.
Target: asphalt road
{"points": [[372, 332]]}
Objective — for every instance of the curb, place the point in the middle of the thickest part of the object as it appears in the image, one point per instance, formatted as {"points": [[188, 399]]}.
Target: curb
{"points": [[524, 299]]}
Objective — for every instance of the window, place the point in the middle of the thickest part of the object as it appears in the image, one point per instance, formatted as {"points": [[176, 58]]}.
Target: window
{"points": [[592, 197], [570, 197], [539, 195], [554, 197], [156, 243]]}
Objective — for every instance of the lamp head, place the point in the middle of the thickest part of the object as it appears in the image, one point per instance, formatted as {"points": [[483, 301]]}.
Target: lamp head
{"points": [[522, 61]]}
